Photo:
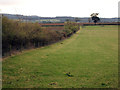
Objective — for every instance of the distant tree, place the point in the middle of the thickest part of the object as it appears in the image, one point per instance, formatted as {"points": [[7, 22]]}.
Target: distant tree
{"points": [[94, 17], [89, 20], [77, 19], [67, 20]]}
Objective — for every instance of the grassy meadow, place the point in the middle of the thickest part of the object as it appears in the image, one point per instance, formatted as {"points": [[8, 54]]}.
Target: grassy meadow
{"points": [[88, 59]]}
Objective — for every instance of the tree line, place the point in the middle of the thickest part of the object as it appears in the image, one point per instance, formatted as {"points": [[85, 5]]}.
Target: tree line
{"points": [[17, 36]]}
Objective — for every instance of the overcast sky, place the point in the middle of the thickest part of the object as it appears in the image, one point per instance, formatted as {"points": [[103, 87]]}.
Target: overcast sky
{"points": [[52, 8]]}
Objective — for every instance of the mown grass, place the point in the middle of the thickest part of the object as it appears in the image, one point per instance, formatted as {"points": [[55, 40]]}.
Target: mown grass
{"points": [[90, 57]]}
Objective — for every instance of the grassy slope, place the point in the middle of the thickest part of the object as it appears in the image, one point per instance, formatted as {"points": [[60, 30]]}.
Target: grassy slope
{"points": [[91, 56]]}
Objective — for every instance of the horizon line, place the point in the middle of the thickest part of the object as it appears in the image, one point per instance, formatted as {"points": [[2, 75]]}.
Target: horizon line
{"points": [[58, 16]]}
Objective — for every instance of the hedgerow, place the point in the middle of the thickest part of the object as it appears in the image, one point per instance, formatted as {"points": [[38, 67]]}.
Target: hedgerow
{"points": [[17, 35]]}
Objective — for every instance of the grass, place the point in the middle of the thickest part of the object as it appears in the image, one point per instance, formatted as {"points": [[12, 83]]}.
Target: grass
{"points": [[88, 59]]}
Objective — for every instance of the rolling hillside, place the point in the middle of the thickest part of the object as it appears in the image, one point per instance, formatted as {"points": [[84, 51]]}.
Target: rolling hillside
{"points": [[55, 19]]}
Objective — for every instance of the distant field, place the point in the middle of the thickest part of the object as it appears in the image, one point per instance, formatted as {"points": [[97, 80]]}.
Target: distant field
{"points": [[88, 59]]}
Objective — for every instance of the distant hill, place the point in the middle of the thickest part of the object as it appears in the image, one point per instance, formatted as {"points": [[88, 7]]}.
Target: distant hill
{"points": [[57, 19]]}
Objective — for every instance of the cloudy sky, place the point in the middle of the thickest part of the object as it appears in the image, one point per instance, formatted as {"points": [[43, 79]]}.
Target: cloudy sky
{"points": [[52, 8]]}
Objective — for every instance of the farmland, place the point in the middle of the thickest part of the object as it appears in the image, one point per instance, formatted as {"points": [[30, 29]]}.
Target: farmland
{"points": [[88, 59]]}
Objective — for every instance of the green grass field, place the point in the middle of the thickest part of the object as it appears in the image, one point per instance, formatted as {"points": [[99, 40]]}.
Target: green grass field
{"points": [[90, 55]]}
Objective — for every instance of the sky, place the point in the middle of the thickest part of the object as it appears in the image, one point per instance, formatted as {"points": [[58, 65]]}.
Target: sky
{"points": [[53, 8]]}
